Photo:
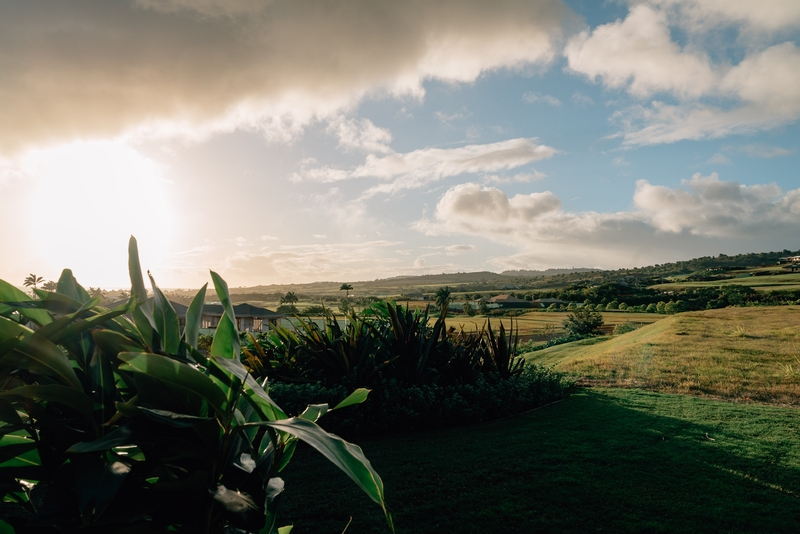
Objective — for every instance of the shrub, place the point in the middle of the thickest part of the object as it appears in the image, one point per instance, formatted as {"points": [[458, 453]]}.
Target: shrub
{"points": [[393, 408], [624, 328], [583, 322], [111, 423]]}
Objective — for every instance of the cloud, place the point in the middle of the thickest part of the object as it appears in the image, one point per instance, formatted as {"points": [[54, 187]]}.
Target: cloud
{"points": [[763, 16], [191, 69], [421, 167], [719, 159], [764, 151], [454, 250], [520, 178], [360, 134], [665, 222], [581, 99], [532, 98], [312, 262], [446, 118], [638, 54]]}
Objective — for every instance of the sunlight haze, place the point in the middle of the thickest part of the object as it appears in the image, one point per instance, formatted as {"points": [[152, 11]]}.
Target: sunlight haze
{"points": [[291, 142]]}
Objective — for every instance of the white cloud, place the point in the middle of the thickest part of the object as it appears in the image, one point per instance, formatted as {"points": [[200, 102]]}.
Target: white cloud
{"points": [[454, 250], [581, 99], [190, 69], [520, 178], [764, 15], [421, 167], [666, 222], [360, 134], [447, 118], [639, 55], [532, 98], [764, 151], [719, 159]]}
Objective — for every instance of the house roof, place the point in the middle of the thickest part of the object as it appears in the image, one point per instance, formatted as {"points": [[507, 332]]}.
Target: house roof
{"points": [[506, 298], [240, 310]]}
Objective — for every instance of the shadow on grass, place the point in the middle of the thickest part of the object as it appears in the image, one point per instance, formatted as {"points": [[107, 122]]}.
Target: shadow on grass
{"points": [[602, 461]]}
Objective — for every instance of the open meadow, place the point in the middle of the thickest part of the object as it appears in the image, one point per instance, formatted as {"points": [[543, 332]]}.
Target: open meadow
{"points": [[734, 353], [607, 459]]}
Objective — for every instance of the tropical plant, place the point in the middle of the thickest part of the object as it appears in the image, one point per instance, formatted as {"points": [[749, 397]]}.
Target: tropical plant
{"points": [[111, 419], [33, 280], [347, 288], [290, 298], [442, 297], [49, 286]]}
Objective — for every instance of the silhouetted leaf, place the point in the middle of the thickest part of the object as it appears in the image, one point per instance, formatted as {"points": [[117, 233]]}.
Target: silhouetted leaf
{"points": [[193, 317]]}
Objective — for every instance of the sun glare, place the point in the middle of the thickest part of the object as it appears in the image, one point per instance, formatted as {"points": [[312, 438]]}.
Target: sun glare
{"points": [[90, 197]]}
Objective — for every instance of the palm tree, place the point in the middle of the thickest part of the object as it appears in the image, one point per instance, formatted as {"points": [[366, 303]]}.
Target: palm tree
{"points": [[442, 296], [50, 286], [289, 298], [33, 280], [347, 288]]}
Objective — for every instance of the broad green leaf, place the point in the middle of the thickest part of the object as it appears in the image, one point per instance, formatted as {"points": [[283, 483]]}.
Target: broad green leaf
{"points": [[285, 530], [5, 528], [9, 293], [166, 320], [101, 373], [254, 391], [178, 420], [169, 370], [313, 412], [36, 354], [112, 343], [346, 456], [67, 285], [226, 340], [9, 416], [193, 317], [231, 335], [77, 400], [116, 438], [144, 323], [18, 450], [138, 290], [356, 397]]}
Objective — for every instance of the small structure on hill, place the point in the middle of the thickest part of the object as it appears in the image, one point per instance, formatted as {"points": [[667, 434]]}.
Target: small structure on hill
{"points": [[507, 301]]}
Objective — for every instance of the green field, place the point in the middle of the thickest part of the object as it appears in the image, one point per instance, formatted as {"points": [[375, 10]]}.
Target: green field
{"points": [[734, 353], [608, 459], [604, 460]]}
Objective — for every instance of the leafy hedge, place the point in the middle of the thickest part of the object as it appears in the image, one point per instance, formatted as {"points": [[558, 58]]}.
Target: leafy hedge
{"points": [[393, 408]]}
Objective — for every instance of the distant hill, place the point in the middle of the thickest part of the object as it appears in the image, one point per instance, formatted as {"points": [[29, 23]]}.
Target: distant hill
{"points": [[522, 273], [510, 280]]}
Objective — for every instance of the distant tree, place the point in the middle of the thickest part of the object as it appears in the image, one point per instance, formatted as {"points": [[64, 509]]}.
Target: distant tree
{"points": [[50, 286], [290, 298], [95, 292], [347, 288], [442, 296], [483, 306], [651, 308], [344, 305], [661, 307], [583, 321], [468, 309], [33, 280]]}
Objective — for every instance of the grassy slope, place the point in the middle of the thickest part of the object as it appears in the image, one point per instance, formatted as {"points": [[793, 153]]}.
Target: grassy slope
{"points": [[604, 460], [735, 353]]}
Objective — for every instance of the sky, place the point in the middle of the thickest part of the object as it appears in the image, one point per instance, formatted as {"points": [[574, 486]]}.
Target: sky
{"points": [[292, 141]]}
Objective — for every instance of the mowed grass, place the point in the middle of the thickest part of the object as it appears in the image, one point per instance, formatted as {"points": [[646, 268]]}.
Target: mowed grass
{"points": [[783, 280], [604, 460], [734, 353], [543, 325]]}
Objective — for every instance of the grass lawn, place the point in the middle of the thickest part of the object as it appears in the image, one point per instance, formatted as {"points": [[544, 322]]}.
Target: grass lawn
{"points": [[542, 325], [734, 353], [604, 460]]}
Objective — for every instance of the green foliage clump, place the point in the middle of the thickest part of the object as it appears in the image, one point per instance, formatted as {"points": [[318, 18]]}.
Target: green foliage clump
{"points": [[394, 408], [583, 322], [112, 420], [624, 328]]}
